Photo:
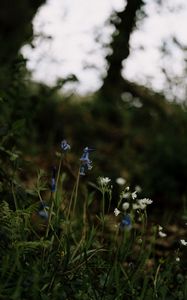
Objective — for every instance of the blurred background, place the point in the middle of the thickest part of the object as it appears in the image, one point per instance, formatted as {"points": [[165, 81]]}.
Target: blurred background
{"points": [[107, 74]]}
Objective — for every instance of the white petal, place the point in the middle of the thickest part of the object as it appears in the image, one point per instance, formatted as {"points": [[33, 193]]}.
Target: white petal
{"points": [[183, 242], [162, 234], [116, 212], [120, 181], [125, 205]]}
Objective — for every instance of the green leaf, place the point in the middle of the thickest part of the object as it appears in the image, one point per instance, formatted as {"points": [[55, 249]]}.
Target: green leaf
{"points": [[18, 125]]}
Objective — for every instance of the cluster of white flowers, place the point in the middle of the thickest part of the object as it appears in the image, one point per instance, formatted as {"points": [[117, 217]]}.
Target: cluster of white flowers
{"points": [[104, 180], [141, 203], [160, 232], [128, 196]]}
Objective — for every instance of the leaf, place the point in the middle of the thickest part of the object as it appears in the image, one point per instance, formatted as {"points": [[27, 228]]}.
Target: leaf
{"points": [[32, 245], [18, 125]]}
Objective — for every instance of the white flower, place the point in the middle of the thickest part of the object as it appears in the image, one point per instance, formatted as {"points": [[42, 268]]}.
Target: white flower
{"points": [[160, 231], [162, 234], [183, 242], [177, 258], [116, 212], [120, 181], [149, 201], [127, 188], [135, 206], [125, 205], [125, 195], [134, 195], [138, 189], [146, 201], [142, 204], [104, 180]]}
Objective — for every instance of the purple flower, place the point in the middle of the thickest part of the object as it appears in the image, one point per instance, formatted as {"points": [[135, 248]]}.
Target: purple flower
{"points": [[85, 155], [86, 163], [65, 146]]}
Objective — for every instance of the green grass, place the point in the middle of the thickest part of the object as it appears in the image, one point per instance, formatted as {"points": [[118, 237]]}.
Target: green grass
{"points": [[81, 250]]}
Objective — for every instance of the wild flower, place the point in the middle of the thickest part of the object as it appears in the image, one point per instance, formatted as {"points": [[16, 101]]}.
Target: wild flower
{"points": [[125, 195], [142, 203], [86, 163], [104, 180], [85, 155], [135, 206], [116, 212], [125, 205], [53, 180], [183, 242], [43, 211], [138, 189], [134, 195], [147, 201], [82, 170], [162, 234], [120, 181], [126, 222], [65, 146], [177, 259]]}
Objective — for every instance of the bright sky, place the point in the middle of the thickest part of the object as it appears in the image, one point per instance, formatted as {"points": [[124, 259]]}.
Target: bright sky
{"points": [[78, 28]]}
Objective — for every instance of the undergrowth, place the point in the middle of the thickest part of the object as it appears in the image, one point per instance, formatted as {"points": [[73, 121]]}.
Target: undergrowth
{"points": [[61, 244]]}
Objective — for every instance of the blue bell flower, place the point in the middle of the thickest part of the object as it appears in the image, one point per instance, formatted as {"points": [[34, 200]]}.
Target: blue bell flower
{"points": [[86, 163], [43, 211], [53, 180], [126, 222], [65, 146]]}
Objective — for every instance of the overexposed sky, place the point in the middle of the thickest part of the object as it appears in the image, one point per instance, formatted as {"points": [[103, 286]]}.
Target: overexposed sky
{"points": [[78, 28]]}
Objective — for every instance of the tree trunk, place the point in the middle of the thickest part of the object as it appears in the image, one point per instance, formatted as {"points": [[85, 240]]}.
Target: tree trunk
{"points": [[15, 30], [126, 21]]}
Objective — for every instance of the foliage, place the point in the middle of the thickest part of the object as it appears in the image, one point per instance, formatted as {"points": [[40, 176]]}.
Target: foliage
{"points": [[66, 243], [147, 143], [70, 253]]}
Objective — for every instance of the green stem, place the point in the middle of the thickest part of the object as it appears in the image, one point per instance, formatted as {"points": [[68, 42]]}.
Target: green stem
{"points": [[53, 197], [58, 175], [14, 197], [71, 200], [76, 192], [103, 202], [50, 216]]}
